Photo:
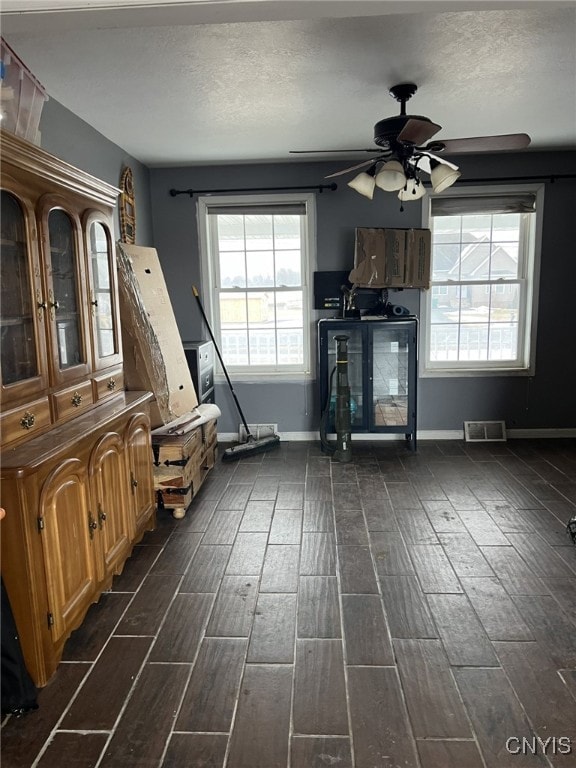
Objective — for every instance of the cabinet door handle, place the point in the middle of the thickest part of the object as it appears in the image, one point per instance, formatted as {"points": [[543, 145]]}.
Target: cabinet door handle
{"points": [[92, 525], [27, 421], [101, 515], [133, 482], [112, 384], [76, 399]]}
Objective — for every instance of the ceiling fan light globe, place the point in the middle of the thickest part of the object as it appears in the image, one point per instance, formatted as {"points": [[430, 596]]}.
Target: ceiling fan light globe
{"points": [[364, 183], [391, 176], [412, 190], [443, 176]]}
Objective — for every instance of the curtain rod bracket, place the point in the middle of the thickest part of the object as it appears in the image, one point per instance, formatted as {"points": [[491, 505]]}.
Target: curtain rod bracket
{"points": [[191, 192]]}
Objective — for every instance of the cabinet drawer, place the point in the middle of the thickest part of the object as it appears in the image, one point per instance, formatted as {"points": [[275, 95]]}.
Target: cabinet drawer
{"points": [[206, 356], [108, 384], [206, 382], [73, 401], [25, 421]]}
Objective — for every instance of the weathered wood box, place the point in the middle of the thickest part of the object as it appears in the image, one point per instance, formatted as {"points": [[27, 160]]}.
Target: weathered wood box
{"points": [[181, 463]]}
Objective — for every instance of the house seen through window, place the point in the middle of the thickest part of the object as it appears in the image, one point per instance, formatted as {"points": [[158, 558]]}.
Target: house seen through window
{"points": [[256, 255], [479, 312]]}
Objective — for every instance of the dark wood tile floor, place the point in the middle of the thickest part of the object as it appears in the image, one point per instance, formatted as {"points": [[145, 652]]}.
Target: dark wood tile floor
{"points": [[407, 611]]}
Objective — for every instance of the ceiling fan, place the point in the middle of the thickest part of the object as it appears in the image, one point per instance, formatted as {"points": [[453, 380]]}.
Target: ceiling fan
{"points": [[400, 157]]}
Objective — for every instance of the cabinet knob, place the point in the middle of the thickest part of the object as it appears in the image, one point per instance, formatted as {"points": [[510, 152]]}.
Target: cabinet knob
{"points": [[101, 516], [42, 305], [55, 304], [76, 399], [92, 525], [112, 384], [27, 421]]}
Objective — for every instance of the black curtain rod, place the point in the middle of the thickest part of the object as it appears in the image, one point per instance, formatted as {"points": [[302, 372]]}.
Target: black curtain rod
{"points": [[320, 187], [551, 177]]}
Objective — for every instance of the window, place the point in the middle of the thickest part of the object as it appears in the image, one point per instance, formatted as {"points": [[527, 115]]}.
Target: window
{"points": [[257, 263], [479, 316]]}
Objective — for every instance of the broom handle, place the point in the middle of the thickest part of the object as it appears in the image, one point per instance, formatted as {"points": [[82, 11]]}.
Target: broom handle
{"points": [[201, 308]]}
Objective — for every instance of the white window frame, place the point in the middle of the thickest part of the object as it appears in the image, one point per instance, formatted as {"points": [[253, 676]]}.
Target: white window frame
{"points": [[530, 277], [209, 278]]}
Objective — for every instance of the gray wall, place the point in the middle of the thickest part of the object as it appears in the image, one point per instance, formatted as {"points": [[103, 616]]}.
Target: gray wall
{"points": [[70, 138], [543, 401]]}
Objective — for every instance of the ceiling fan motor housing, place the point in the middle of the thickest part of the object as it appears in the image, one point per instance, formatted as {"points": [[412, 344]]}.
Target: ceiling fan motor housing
{"points": [[386, 131]]}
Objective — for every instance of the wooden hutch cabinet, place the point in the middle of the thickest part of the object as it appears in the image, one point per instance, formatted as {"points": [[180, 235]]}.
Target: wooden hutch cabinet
{"points": [[76, 470]]}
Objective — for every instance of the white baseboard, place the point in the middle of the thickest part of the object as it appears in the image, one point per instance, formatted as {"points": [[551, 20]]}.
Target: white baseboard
{"points": [[424, 434]]}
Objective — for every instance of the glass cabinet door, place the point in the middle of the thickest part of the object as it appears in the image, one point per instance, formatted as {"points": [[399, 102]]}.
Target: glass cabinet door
{"points": [[106, 344], [390, 375], [22, 341], [65, 300], [355, 370]]}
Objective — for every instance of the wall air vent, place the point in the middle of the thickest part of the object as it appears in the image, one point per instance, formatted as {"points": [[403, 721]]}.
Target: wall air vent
{"points": [[484, 431]]}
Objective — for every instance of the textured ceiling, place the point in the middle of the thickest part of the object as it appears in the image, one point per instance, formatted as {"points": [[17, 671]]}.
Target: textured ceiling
{"points": [[191, 83]]}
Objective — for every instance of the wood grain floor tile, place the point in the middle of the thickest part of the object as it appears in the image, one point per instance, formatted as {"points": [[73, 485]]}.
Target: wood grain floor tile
{"points": [[318, 556], [356, 571], [415, 527], [346, 496], [433, 569], [515, 576], [260, 737], [428, 489], [210, 698], [318, 488], [195, 750], [233, 610], [290, 496], [105, 689], [265, 488], [564, 592], [496, 610], [482, 528], [391, 557], [449, 754], [403, 496], [541, 557], [379, 514], [272, 638], [318, 516], [443, 517], [286, 526], [318, 608], [247, 554], [81, 750], [180, 635], [177, 554], [367, 637], [569, 678], [86, 642], [546, 700], [380, 726], [509, 520], [551, 627], [350, 527], [198, 515], [235, 497], [465, 556], [320, 751], [257, 516], [463, 636], [280, 570], [433, 702], [146, 611], [406, 608], [318, 465], [206, 569], [145, 725], [136, 568], [223, 527], [22, 738], [496, 716], [319, 705]]}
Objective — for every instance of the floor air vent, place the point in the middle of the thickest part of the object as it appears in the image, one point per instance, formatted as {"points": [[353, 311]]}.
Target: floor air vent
{"points": [[483, 431]]}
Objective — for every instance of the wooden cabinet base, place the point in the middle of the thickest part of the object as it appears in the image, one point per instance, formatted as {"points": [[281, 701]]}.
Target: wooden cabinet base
{"points": [[77, 499]]}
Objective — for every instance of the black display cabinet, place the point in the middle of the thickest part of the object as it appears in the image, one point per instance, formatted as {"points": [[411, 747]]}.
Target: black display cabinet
{"points": [[382, 373]]}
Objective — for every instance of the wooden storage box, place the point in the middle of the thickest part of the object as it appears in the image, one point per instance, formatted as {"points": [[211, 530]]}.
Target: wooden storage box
{"points": [[180, 464]]}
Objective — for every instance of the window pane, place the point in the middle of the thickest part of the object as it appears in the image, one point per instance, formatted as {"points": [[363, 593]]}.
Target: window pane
{"points": [[235, 347], [259, 233], [473, 343], [446, 261], [262, 349], [287, 231], [475, 228], [291, 346], [444, 342], [232, 270], [260, 268], [504, 260], [233, 310], [260, 309], [475, 261], [447, 229], [289, 309], [504, 341], [288, 268], [230, 232], [505, 303]]}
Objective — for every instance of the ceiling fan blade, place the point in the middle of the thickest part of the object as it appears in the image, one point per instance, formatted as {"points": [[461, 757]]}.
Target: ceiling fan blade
{"points": [[417, 131], [352, 168], [329, 151], [504, 142]]}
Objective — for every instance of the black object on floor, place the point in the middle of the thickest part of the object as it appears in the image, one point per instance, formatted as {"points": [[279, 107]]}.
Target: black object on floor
{"points": [[18, 691], [252, 445]]}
